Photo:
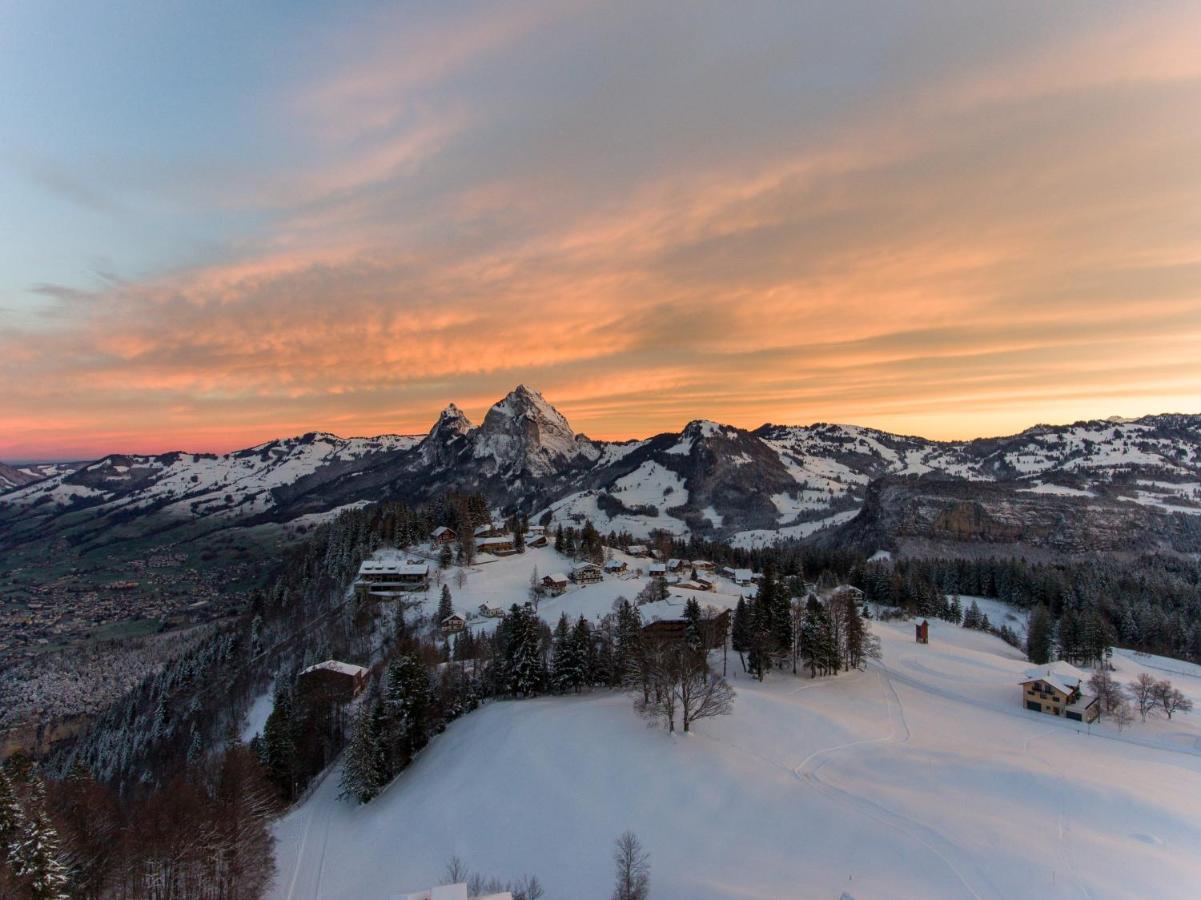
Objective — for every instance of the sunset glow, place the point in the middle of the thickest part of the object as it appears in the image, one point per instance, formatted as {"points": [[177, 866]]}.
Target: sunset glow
{"points": [[945, 219]]}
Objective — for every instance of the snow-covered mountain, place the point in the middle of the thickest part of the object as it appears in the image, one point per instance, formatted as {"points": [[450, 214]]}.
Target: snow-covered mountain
{"points": [[715, 480], [26, 473]]}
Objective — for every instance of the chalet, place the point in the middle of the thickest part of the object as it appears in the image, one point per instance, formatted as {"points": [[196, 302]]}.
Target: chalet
{"points": [[921, 632], [491, 530], [535, 540], [637, 550], [587, 573], [740, 576], [442, 535], [703, 565], [694, 584], [491, 612], [845, 590], [332, 680], [453, 624], [615, 566], [387, 574], [1056, 690], [713, 630], [555, 583], [500, 545], [658, 570], [674, 565]]}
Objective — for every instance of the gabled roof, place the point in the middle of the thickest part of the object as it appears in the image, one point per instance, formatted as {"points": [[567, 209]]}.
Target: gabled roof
{"points": [[1062, 676], [440, 530], [333, 665], [557, 577]]}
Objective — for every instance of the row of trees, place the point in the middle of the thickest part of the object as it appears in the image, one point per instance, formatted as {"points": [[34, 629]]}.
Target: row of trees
{"points": [[1149, 695], [776, 628]]}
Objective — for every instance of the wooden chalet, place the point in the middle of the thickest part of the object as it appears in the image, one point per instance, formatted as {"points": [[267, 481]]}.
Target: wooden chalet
{"points": [[491, 612], [491, 530], [1056, 690], [443, 535], [535, 540], [555, 583], [453, 624], [713, 630], [637, 550], [703, 565], [588, 573], [657, 570], [500, 545], [332, 680], [615, 566]]}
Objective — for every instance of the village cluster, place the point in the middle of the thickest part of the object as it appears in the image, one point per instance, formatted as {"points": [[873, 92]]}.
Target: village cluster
{"points": [[1058, 689]]}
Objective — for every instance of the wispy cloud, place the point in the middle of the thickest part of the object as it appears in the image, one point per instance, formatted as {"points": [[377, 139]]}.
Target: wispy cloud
{"points": [[965, 248]]}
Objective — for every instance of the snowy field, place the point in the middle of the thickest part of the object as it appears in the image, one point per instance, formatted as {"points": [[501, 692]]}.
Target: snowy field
{"points": [[921, 777]]}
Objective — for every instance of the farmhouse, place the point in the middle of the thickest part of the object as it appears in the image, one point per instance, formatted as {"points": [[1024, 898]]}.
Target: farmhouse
{"points": [[674, 565], [615, 566], [739, 576], [1055, 690], [332, 680], [491, 611], [588, 573], [694, 584], [387, 574], [501, 545], [453, 624], [442, 535], [555, 583], [535, 540], [713, 630], [637, 550], [658, 570]]}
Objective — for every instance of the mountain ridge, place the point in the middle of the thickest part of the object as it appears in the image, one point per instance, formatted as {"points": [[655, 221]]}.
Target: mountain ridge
{"points": [[709, 479]]}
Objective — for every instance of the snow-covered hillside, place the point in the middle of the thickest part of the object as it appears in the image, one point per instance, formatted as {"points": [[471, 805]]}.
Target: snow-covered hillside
{"points": [[920, 777]]}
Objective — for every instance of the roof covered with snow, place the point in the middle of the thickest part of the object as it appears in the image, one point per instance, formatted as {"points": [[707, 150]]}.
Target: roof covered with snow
{"points": [[333, 665]]}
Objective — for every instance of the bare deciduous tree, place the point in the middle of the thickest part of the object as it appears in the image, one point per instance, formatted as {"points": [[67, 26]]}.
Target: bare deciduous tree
{"points": [[1123, 715], [1108, 692], [633, 869], [1142, 689], [1171, 699]]}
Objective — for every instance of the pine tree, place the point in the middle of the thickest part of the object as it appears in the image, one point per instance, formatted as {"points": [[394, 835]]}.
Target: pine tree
{"points": [[853, 634], [629, 640], [1039, 635], [280, 732], [363, 774], [35, 854], [692, 629], [741, 630], [526, 664], [446, 605]]}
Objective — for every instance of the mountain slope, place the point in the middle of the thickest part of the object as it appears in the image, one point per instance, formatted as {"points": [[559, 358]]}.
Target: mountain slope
{"points": [[787, 791], [713, 480]]}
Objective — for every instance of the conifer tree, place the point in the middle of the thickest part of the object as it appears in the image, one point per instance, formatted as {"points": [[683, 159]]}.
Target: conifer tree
{"points": [[446, 605], [1039, 636], [35, 854]]}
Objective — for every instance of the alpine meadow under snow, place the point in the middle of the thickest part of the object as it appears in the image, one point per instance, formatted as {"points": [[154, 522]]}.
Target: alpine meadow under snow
{"points": [[920, 776]]}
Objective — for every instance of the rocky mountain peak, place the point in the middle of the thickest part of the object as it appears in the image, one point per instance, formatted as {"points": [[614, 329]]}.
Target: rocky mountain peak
{"points": [[523, 432]]}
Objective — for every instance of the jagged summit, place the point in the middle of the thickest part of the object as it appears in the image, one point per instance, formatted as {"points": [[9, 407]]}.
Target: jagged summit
{"points": [[524, 433]]}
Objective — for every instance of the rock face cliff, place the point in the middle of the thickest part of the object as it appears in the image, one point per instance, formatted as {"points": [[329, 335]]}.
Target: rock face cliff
{"points": [[940, 516]]}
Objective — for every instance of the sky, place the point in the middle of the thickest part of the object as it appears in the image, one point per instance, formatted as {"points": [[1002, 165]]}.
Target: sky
{"points": [[222, 223]]}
